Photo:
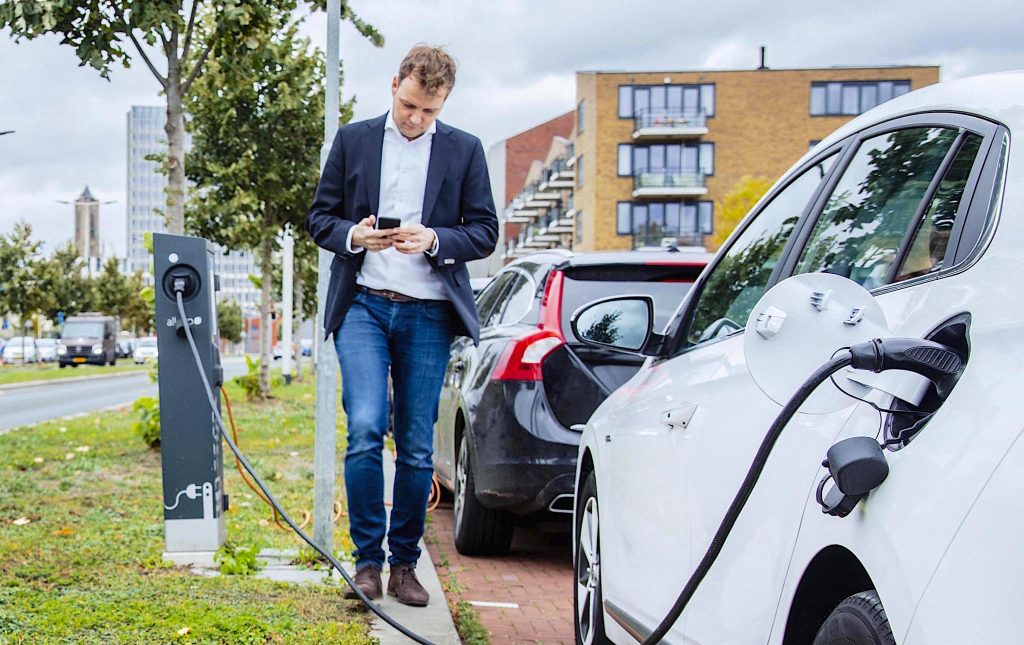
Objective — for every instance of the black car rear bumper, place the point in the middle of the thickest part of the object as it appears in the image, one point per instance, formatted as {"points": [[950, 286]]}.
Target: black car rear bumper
{"points": [[523, 458]]}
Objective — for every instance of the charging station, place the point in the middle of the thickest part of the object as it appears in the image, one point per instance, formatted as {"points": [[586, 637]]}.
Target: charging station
{"points": [[190, 442]]}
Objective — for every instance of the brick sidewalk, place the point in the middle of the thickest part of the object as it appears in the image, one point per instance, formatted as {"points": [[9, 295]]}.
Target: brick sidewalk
{"points": [[536, 576]]}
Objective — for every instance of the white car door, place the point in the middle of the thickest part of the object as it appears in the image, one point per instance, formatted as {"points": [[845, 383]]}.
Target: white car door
{"points": [[880, 223], [644, 477]]}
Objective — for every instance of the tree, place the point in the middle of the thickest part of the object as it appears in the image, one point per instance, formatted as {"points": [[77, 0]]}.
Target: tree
{"points": [[22, 287], [64, 279], [140, 313], [185, 32], [113, 291], [736, 204], [229, 321], [257, 126]]}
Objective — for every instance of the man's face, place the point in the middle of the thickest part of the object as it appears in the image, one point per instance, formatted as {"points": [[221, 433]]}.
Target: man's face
{"points": [[413, 109]]}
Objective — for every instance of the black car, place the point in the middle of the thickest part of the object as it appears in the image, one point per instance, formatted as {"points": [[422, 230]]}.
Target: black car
{"points": [[505, 442]]}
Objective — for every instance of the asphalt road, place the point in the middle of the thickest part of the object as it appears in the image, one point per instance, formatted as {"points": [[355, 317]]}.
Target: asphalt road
{"points": [[28, 405]]}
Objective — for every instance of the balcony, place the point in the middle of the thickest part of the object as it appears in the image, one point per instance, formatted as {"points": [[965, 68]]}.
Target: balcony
{"points": [[559, 175], [669, 183], [669, 124], [519, 213], [570, 155], [536, 195], [656, 237]]}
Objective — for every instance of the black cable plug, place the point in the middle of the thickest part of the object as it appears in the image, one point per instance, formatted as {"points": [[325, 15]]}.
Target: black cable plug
{"points": [[936, 362]]}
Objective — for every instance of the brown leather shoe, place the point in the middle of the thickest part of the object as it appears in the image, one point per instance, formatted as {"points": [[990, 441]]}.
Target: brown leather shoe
{"points": [[368, 581], [403, 585]]}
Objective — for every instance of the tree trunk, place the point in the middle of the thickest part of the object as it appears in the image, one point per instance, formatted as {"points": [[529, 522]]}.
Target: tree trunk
{"points": [[298, 307], [175, 129], [266, 326]]}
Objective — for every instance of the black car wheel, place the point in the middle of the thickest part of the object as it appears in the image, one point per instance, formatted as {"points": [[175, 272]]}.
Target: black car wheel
{"points": [[586, 597], [859, 620], [478, 530]]}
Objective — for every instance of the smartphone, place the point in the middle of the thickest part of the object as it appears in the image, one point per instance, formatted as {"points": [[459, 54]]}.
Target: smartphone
{"points": [[384, 223]]}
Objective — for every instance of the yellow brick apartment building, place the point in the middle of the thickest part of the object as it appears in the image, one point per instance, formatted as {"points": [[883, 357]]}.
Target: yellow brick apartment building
{"points": [[652, 152]]}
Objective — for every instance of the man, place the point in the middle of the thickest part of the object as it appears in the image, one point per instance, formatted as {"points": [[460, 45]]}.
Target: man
{"points": [[398, 296]]}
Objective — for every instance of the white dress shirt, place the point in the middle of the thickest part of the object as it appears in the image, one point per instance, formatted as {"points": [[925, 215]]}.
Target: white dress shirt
{"points": [[403, 181]]}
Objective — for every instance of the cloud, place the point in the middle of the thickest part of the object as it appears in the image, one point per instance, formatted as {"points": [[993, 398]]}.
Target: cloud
{"points": [[517, 62]]}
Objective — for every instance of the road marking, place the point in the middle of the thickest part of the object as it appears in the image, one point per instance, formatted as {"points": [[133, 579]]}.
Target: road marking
{"points": [[497, 605]]}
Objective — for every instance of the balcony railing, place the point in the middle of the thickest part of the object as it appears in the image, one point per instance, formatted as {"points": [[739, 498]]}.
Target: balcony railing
{"points": [[669, 123], [666, 183], [655, 236]]}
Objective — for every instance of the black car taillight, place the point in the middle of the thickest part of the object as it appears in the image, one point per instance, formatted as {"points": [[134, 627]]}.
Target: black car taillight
{"points": [[522, 358]]}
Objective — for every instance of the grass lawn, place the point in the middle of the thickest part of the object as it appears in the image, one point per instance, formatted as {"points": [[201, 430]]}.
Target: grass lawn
{"points": [[46, 371], [86, 566]]}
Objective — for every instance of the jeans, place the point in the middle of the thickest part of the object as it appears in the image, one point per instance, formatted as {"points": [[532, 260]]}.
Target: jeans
{"points": [[413, 340]]}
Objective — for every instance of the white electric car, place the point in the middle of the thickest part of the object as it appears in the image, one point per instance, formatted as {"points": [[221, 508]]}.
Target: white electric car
{"points": [[907, 222]]}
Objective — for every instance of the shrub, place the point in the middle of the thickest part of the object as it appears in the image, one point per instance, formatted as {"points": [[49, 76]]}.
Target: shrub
{"points": [[147, 425]]}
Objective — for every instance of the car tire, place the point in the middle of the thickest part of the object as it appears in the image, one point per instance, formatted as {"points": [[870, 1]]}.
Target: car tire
{"points": [[478, 530], [858, 620], [587, 597]]}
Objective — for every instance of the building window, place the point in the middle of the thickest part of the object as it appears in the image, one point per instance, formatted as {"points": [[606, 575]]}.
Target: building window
{"points": [[671, 158], [579, 171], [625, 159], [677, 100], [579, 118], [579, 227], [850, 98], [655, 220]]}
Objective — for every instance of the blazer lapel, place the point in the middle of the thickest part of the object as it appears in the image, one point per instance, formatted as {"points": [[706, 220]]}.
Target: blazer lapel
{"points": [[440, 153], [373, 144]]}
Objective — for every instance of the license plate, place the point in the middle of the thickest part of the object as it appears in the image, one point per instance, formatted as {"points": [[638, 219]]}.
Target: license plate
{"points": [[78, 360]]}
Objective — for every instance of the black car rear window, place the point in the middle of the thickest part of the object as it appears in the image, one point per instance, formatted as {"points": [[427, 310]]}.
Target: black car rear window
{"points": [[667, 284]]}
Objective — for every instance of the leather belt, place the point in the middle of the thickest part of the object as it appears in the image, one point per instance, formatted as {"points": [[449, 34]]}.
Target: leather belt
{"points": [[393, 296]]}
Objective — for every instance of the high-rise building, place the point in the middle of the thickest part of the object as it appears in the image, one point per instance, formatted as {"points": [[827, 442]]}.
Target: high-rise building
{"points": [[145, 205], [87, 229], [653, 152]]}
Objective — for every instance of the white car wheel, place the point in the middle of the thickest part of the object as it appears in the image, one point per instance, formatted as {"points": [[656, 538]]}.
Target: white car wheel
{"points": [[587, 597]]}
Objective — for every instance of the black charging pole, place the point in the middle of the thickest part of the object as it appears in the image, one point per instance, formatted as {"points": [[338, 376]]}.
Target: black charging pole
{"points": [[193, 464]]}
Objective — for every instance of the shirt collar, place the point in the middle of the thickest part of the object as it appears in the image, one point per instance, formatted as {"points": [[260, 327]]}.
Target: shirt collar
{"points": [[393, 127]]}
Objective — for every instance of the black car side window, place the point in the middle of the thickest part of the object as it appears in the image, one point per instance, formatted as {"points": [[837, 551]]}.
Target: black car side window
{"points": [[741, 277], [488, 299], [516, 302]]}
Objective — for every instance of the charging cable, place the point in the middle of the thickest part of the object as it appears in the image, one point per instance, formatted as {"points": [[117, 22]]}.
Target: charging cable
{"points": [[934, 361], [179, 288]]}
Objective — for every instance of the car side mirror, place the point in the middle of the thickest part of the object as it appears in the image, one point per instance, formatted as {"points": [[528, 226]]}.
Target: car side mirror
{"points": [[622, 323]]}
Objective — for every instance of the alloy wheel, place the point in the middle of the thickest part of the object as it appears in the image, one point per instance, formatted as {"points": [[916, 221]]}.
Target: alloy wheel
{"points": [[588, 573], [461, 467]]}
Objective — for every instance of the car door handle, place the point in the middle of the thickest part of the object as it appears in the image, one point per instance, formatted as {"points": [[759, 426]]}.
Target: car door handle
{"points": [[679, 417]]}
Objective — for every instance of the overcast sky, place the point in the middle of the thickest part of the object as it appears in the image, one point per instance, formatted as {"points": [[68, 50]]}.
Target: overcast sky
{"points": [[516, 68]]}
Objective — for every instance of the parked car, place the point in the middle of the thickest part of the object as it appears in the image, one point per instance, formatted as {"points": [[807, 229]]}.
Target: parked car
{"points": [[919, 201], [307, 346], [46, 348], [145, 350], [125, 347], [506, 436], [21, 349], [88, 338]]}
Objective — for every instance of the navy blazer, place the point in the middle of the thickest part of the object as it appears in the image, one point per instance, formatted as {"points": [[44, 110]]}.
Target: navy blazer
{"points": [[457, 204]]}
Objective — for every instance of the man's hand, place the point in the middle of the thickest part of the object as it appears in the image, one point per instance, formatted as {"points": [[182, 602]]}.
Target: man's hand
{"points": [[366, 236], [415, 238]]}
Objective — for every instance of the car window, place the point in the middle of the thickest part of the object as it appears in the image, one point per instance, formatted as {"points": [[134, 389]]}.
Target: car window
{"points": [[927, 251], [741, 277], [666, 284], [489, 296], [517, 301], [870, 211]]}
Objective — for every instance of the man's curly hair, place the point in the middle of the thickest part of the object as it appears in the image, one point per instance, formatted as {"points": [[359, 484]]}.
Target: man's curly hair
{"points": [[432, 67]]}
